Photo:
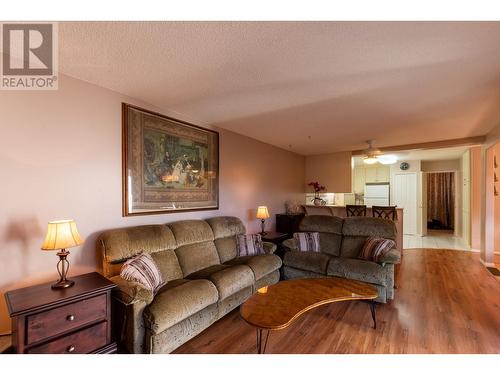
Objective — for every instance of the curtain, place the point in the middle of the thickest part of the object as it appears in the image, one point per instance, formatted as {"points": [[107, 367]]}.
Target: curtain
{"points": [[441, 198]]}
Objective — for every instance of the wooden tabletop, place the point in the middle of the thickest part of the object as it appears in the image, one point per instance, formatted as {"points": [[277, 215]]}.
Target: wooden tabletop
{"points": [[277, 306], [21, 300], [273, 235]]}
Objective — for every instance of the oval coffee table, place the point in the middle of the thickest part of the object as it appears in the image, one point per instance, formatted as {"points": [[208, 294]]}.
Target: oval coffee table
{"points": [[277, 306]]}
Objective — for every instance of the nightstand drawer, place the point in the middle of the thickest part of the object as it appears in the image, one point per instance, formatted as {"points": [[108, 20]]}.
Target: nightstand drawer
{"points": [[65, 318], [85, 341]]}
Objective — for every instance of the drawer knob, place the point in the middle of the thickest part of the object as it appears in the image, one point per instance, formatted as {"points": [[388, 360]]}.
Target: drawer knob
{"points": [[70, 349], [70, 318]]}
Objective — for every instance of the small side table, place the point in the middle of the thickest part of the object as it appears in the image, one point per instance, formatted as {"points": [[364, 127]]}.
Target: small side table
{"points": [[75, 320], [276, 238]]}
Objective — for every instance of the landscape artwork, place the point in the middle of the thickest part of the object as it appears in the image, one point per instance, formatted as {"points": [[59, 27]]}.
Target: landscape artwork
{"points": [[169, 165]]}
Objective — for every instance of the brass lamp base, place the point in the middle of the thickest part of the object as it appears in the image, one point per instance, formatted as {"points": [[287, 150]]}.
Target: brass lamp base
{"points": [[262, 226], [62, 268], [61, 284]]}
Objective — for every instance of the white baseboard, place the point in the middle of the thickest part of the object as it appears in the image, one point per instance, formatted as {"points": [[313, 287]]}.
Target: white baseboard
{"points": [[486, 264]]}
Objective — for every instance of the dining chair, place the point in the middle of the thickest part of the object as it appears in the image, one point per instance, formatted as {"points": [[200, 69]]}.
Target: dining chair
{"points": [[385, 212], [355, 210]]}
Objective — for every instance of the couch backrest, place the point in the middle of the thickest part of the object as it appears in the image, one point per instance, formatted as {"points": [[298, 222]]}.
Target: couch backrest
{"points": [[330, 231], [179, 248], [225, 230], [356, 230], [195, 245], [118, 245]]}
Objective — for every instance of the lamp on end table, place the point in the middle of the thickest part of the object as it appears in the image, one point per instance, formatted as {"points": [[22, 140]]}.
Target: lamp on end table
{"points": [[262, 214], [61, 235]]}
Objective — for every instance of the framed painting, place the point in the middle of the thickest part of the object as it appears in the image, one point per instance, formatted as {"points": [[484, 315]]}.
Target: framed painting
{"points": [[168, 165]]}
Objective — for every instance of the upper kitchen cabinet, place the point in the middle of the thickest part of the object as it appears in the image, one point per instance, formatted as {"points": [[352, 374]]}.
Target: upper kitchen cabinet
{"points": [[369, 174]]}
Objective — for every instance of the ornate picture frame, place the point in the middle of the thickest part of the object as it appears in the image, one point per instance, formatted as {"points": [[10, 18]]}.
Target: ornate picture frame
{"points": [[168, 165]]}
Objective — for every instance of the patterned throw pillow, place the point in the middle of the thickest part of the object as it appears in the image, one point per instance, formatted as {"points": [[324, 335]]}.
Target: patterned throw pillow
{"points": [[374, 248], [307, 241], [143, 270], [249, 244]]}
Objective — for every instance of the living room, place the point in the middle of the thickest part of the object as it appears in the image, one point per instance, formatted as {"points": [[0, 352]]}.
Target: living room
{"points": [[180, 144]]}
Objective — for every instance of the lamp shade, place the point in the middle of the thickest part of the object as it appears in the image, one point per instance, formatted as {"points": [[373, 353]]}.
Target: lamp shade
{"points": [[61, 234], [262, 212]]}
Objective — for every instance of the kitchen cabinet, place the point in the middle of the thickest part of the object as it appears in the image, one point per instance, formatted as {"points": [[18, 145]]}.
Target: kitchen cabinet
{"points": [[369, 174]]}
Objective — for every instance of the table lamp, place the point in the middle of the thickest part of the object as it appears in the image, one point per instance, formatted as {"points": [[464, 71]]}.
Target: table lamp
{"points": [[61, 235], [262, 214]]}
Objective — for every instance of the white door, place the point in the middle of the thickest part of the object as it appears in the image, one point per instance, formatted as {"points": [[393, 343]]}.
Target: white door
{"points": [[405, 196]]}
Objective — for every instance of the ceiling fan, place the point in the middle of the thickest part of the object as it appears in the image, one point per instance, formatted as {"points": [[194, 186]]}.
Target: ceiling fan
{"points": [[373, 155]]}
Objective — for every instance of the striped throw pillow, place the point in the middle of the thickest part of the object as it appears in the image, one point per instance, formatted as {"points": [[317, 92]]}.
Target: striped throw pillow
{"points": [[143, 270], [307, 241], [374, 248], [250, 244]]}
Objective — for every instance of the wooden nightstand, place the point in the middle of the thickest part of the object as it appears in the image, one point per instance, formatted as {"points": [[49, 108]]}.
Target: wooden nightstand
{"points": [[276, 238], [75, 320]]}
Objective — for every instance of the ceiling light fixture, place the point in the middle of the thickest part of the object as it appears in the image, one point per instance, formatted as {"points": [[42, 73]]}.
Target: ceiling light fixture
{"points": [[370, 160], [387, 159]]}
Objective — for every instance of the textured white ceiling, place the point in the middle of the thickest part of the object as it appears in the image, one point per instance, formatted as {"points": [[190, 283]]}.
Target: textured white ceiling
{"points": [[311, 87]]}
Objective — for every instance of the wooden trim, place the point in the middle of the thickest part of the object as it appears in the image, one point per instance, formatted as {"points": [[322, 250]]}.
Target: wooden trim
{"points": [[469, 141]]}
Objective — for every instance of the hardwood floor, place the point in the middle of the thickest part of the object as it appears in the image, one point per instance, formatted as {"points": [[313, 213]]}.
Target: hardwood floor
{"points": [[446, 302]]}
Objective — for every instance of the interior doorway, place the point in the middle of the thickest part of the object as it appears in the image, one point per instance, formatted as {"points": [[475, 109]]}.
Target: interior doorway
{"points": [[441, 202]]}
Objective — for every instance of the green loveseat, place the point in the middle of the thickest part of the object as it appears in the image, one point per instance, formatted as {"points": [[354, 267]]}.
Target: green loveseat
{"points": [[205, 279], [341, 241]]}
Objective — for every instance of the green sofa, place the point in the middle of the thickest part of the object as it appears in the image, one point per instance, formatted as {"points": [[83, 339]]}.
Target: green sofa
{"points": [[341, 240], [205, 279]]}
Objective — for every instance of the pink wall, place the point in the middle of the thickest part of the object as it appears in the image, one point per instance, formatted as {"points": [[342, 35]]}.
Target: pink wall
{"points": [[60, 157]]}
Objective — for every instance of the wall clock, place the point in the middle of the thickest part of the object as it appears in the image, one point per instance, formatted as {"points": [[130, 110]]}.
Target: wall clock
{"points": [[404, 166]]}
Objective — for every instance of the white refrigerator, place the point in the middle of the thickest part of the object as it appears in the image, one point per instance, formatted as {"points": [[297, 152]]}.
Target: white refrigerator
{"points": [[377, 194]]}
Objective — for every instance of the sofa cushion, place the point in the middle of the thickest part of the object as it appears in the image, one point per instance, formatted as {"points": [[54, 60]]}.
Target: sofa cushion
{"points": [[174, 304], [226, 248], [225, 230], [357, 229], [188, 232], [168, 264], [330, 231], [351, 246], [205, 273], [261, 265], [357, 269], [227, 279], [226, 226], [308, 261], [194, 257], [118, 245], [369, 227], [321, 223]]}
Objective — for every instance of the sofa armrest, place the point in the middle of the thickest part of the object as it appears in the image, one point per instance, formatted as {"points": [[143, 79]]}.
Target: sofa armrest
{"points": [[289, 244], [130, 292], [392, 256], [269, 247]]}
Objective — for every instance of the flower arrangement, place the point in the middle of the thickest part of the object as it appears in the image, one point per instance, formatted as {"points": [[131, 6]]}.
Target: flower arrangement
{"points": [[317, 188]]}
